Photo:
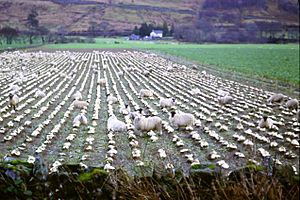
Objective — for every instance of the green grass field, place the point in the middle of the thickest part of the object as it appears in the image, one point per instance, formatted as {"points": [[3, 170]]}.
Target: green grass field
{"points": [[268, 61]]}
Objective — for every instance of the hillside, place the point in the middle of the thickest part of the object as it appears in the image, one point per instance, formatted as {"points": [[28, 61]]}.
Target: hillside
{"points": [[120, 16]]}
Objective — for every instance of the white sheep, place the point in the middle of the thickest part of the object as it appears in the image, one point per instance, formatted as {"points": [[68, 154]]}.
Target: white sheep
{"points": [[146, 93], [80, 119], [125, 110], [146, 73], [143, 123], [77, 95], [102, 82], [80, 104], [225, 99], [113, 124], [275, 98], [265, 122], [181, 119], [133, 115], [13, 100], [14, 88], [111, 99], [39, 93], [195, 91], [167, 102], [292, 104], [120, 73], [222, 93]]}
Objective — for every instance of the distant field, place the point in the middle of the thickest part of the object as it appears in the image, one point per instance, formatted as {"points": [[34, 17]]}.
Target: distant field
{"points": [[274, 62], [20, 43]]}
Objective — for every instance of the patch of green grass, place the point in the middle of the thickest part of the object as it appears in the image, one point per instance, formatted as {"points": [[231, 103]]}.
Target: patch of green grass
{"points": [[89, 175], [267, 61]]}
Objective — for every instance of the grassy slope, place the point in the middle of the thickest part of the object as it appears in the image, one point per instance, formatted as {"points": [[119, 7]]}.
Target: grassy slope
{"points": [[274, 62]]}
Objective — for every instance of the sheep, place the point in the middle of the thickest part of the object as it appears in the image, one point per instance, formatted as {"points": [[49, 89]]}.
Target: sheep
{"points": [[80, 104], [275, 98], [113, 124], [222, 93], [125, 110], [39, 93], [133, 115], [292, 104], [146, 93], [225, 99], [181, 119], [14, 88], [111, 99], [167, 102], [146, 73], [120, 73], [13, 100], [102, 82], [195, 91], [77, 96], [169, 68], [80, 119], [143, 123], [265, 122]]}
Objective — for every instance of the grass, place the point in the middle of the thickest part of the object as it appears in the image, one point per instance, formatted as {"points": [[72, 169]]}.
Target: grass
{"points": [[268, 61]]}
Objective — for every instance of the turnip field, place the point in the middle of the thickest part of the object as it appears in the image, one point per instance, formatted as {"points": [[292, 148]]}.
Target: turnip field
{"points": [[223, 136]]}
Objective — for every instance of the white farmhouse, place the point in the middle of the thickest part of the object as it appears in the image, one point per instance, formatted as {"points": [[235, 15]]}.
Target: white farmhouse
{"points": [[156, 34]]}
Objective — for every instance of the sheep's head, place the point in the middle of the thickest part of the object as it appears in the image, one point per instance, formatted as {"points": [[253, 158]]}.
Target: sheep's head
{"points": [[11, 96], [137, 119], [173, 99], [172, 113], [126, 105], [140, 110], [265, 118]]}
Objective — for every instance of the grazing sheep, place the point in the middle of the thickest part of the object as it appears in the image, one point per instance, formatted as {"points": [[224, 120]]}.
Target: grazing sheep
{"points": [[222, 93], [170, 68], [275, 98], [146, 73], [146, 93], [133, 115], [13, 100], [80, 104], [111, 99], [167, 102], [225, 99], [120, 73], [181, 119], [39, 93], [14, 88], [77, 95], [113, 124], [80, 119], [102, 82], [125, 110], [265, 122], [143, 123], [292, 104], [195, 91]]}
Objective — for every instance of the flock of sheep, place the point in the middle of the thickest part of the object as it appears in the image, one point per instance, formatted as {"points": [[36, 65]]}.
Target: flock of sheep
{"points": [[145, 97]]}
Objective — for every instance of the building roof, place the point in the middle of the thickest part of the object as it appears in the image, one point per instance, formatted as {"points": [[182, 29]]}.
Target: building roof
{"points": [[157, 31]]}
